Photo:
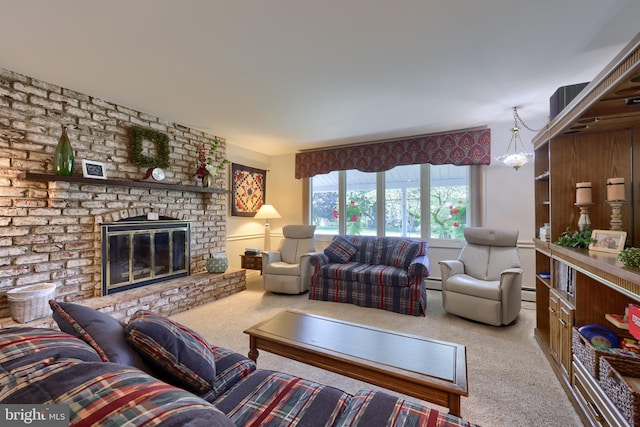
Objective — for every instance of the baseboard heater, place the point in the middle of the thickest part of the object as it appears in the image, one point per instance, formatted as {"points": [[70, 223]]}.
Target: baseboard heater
{"points": [[433, 283], [528, 294]]}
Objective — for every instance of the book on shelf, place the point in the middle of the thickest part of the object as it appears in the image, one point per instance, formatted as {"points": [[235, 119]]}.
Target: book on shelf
{"points": [[618, 320], [566, 278]]}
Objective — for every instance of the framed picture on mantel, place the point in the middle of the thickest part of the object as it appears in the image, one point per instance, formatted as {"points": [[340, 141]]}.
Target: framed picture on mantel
{"points": [[95, 170], [608, 241]]}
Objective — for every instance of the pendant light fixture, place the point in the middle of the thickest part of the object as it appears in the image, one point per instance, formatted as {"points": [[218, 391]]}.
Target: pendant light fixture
{"points": [[516, 159]]}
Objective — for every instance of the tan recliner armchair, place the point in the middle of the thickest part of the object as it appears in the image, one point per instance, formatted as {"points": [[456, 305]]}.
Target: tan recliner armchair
{"points": [[484, 283], [288, 270]]}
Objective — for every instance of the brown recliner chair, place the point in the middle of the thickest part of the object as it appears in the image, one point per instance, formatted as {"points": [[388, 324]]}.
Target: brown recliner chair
{"points": [[288, 269], [484, 283]]}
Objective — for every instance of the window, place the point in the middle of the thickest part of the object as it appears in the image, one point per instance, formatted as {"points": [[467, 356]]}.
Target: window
{"points": [[324, 203], [402, 208], [448, 201], [360, 204], [392, 203]]}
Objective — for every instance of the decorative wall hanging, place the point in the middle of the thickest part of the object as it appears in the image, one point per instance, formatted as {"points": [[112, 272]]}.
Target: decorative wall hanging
{"points": [[137, 135], [248, 186]]}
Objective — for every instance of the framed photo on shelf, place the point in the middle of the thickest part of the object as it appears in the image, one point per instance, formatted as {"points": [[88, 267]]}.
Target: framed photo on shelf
{"points": [[95, 170], [608, 241]]}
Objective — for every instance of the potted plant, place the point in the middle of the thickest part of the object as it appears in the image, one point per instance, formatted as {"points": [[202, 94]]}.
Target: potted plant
{"points": [[630, 257], [576, 239], [208, 168]]}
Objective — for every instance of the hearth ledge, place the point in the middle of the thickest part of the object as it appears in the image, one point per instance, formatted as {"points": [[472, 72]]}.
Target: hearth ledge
{"points": [[166, 298]]}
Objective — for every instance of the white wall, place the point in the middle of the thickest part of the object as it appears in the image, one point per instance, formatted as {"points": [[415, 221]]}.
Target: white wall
{"points": [[509, 200], [245, 232], [284, 192], [510, 194]]}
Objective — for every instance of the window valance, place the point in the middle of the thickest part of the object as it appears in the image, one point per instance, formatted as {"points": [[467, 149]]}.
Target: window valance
{"points": [[461, 148]]}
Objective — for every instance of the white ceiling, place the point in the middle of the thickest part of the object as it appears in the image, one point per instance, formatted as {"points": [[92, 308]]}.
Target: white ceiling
{"points": [[278, 76]]}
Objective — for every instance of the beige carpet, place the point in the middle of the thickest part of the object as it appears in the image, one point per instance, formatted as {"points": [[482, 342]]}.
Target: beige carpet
{"points": [[510, 381]]}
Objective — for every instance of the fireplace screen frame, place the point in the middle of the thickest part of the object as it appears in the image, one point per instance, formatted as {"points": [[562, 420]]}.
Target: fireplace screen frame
{"points": [[149, 233]]}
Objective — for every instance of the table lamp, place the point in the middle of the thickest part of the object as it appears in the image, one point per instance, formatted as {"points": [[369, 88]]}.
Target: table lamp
{"points": [[267, 212]]}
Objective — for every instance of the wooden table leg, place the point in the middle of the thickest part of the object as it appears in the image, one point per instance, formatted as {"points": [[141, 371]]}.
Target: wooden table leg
{"points": [[454, 404], [253, 351]]}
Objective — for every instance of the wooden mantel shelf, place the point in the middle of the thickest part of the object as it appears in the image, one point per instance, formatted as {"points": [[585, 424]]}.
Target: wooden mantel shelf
{"points": [[43, 177]]}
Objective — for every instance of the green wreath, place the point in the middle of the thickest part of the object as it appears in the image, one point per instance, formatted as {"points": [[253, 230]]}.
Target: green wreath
{"points": [[138, 134]]}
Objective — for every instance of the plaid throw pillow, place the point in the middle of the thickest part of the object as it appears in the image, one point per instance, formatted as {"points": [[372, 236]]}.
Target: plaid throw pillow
{"points": [[182, 355], [340, 250], [101, 331], [403, 253], [109, 394], [23, 346]]}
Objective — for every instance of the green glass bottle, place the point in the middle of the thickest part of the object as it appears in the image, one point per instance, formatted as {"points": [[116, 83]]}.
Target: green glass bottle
{"points": [[63, 156]]}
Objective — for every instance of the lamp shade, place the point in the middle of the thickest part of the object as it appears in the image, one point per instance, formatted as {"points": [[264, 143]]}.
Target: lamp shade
{"points": [[267, 212]]}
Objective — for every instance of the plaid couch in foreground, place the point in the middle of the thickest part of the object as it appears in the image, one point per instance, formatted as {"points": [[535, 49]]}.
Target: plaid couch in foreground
{"points": [[44, 366]]}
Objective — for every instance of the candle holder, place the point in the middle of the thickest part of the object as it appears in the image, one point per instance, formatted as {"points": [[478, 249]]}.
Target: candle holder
{"points": [[616, 216], [584, 222]]}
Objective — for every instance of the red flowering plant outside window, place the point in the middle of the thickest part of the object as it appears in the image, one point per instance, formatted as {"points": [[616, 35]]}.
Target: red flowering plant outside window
{"points": [[448, 219], [458, 215], [353, 216]]}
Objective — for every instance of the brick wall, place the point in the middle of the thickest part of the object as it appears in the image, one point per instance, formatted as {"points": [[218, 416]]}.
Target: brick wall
{"points": [[50, 232]]}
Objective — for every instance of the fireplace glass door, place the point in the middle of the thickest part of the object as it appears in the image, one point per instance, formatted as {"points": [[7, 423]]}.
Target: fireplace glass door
{"points": [[145, 252]]}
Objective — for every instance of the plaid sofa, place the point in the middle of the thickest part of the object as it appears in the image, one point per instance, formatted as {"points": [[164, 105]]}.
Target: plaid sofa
{"points": [[379, 272], [153, 371], [49, 367]]}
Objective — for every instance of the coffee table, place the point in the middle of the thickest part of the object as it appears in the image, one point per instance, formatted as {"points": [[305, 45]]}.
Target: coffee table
{"points": [[431, 370]]}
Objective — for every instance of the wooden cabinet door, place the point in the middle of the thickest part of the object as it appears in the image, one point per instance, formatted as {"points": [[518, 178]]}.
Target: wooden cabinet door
{"points": [[565, 325], [561, 314]]}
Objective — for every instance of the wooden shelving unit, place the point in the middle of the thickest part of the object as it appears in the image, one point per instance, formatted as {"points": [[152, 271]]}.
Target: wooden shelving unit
{"points": [[592, 139], [43, 177]]}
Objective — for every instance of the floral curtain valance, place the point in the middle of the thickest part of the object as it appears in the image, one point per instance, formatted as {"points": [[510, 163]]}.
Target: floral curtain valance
{"points": [[457, 148]]}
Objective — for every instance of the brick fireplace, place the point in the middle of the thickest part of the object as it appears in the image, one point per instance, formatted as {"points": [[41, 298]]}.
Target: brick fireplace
{"points": [[51, 229], [140, 251]]}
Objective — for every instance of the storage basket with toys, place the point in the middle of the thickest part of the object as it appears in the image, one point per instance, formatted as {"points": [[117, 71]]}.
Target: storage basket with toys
{"points": [[620, 380], [614, 361], [592, 342]]}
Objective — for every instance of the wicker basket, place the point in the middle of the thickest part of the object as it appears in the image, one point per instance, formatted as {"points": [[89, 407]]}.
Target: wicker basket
{"points": [[586, 353], [590, 356], [30, 302], [621, 391]]}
